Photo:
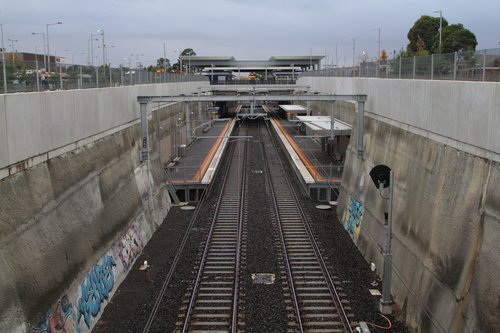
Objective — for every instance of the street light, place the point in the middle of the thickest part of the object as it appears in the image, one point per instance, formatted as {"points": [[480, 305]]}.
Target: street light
{"points": [[12, 41], [44, 45], [180, 60], [129, 68], [3, 63], [101, 32], [48, 49], [378, 29], [137, 64], [92, 48], [383, 177], [440, 26]]}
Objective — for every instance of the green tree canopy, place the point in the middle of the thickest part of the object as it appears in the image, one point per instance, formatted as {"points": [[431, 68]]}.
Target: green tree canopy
{"points": [[425, 28], [163, 62], [188, 52], [455, 37]]}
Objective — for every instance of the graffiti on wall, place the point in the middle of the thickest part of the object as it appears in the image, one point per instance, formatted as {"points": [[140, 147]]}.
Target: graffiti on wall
{"points": [[353, 216], [129, 246], [61, 318], [95, 289], [87, 299]]}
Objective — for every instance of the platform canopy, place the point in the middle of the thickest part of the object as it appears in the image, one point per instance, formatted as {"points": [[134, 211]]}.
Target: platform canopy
{"points": [[198, 64], [296, 109], [322, 125]]}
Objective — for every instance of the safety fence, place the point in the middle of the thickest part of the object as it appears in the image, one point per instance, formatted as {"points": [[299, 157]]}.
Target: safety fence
{"points": [[483, 65], [27, 77]]}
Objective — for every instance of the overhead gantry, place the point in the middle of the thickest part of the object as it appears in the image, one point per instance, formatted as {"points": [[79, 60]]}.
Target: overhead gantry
{"points": [[250, 96]]}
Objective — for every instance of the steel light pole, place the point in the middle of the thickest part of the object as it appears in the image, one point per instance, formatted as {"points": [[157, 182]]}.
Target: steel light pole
{"points": [[378, 29], [440, 26], [137, 64], [12, 41], [180, 60], [101, 33], [44, 46], [129, 69], [48, 49], [92, 48], [3, 63]]}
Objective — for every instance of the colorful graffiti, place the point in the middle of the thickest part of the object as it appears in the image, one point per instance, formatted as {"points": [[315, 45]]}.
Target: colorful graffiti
{"points": [[353, 216], [66, 317], [95, 289], [128, 247], [61, 318]]}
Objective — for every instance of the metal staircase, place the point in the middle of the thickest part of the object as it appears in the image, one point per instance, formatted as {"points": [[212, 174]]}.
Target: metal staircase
{"points": [[171, 188]]}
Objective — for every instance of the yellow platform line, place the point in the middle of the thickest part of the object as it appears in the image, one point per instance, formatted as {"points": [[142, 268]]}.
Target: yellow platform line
{"points": [[305, 160], [208, 159]]}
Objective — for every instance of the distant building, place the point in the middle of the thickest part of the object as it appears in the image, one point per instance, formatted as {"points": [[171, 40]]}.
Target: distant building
{"points": [[29, 59]]}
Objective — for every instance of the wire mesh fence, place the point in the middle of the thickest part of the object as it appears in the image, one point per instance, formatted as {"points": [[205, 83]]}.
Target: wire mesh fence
{"points": [[483, 65], [28, 77]]}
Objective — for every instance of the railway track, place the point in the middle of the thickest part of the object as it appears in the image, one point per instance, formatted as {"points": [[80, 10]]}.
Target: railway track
{"points": [[313, 302], [213, 302]]}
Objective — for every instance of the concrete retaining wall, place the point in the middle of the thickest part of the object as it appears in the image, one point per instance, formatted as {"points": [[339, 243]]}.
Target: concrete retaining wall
{"points": [[32, 124], [72, 226], [446, 213], [463, 114]]}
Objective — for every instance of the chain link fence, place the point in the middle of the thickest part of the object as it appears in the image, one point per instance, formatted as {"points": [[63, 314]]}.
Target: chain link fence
{"points": [[481, 65], [27, 77]]}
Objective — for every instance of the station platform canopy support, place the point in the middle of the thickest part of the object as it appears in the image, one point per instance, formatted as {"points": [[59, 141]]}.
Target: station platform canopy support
{"points": [[248, 98]]}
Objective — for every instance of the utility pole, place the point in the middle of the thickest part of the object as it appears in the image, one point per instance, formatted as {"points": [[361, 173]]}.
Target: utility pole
{"points": [[353, 52], [440, 26], [164, 63], [48, 49], [378, 55], [3, 64], [101, 32]]}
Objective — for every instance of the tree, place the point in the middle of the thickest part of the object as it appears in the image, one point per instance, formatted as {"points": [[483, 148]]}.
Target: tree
{"points": [[188, 52], [421, 49], [427, 29], [455, 37], [383, 56], [163, 62], [424, 37]]}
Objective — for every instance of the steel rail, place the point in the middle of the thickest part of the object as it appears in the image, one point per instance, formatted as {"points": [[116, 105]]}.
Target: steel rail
{"points": [[327, 276], [234, 324], [329, 280], [170, 273], [283, 242], [204, 258]]}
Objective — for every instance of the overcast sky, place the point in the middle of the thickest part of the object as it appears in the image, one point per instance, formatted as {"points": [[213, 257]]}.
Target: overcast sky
{"points": [[245, 29]]}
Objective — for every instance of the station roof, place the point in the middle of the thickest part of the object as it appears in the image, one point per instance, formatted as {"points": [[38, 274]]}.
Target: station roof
{"points": [[293, 108], [321, 125], [229, 62]]}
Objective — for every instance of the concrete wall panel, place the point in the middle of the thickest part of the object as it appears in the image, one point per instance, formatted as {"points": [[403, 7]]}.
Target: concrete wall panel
{"points": [[466, 112], [446, 210], [36, 123], [4, 144], [17, 108], [437, 224]]}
